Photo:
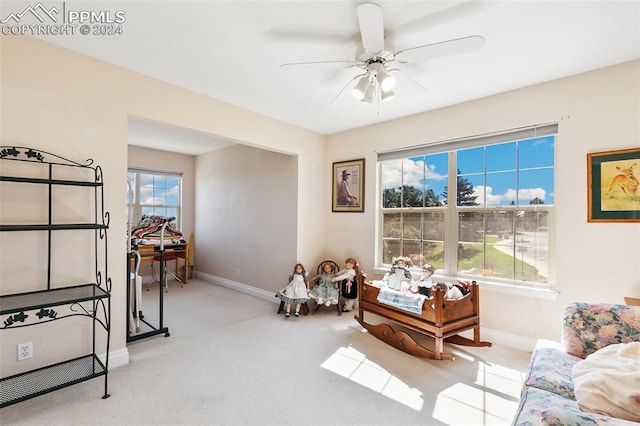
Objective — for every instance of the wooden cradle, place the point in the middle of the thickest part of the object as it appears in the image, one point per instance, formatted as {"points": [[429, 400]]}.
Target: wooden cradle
{"points": [[441, 319]]}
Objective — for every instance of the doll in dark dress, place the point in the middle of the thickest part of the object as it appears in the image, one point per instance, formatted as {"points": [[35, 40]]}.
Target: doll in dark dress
{"points": [[348, 284]]}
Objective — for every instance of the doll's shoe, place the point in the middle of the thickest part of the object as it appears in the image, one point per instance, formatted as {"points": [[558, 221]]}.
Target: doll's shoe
{"points": [[297, 314], [286, 315]]}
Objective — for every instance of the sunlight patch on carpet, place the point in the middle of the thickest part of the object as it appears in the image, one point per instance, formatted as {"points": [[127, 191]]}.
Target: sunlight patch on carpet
{"points": [[492, 400], [354, 365]]}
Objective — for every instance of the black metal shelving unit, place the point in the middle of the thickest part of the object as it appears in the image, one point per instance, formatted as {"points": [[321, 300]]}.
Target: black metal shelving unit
{"points": [[55, 302]]}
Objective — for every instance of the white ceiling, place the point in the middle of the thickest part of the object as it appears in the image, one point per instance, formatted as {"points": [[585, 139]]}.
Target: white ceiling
{"points": [[231, 50]]}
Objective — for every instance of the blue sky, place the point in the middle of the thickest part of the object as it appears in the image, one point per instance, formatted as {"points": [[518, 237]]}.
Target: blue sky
{"points": [[515, 171]]}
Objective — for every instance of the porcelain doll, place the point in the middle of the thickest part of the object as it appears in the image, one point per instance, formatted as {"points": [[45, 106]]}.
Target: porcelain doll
{"points": [[325, 292], [399, 277], [348, 284], [451, 291], [425, 282], [296, 291]]}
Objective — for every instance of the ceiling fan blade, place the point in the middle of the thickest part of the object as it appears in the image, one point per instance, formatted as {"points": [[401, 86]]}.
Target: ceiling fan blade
{"points": [[440, 49], [311, 36], [349, 63], [371, 27]]}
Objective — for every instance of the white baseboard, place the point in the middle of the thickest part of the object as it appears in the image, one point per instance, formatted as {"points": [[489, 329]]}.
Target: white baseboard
{"points": [[117, 358], [509, 340], [243, 288]]}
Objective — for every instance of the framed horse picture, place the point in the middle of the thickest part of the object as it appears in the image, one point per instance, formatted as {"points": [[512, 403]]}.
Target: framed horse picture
{"points": [[348, 186], [612, 192]]}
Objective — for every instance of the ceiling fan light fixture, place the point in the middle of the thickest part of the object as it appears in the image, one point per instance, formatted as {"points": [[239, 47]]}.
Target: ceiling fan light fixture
{"points": [[385, 80], [387, 95], [360, 89], [370, 94]]}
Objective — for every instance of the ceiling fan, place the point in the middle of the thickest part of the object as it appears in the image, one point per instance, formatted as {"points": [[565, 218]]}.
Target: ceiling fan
{"points": [[375, 56]]}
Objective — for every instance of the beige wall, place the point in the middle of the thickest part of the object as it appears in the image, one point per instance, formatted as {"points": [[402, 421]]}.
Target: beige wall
{"points": [[56, 100], [246, 216], [596, 111]]}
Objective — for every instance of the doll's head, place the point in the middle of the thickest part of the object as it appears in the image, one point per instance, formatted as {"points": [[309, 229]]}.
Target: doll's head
{"points": [[350, 262], [441, 287], [428, 270], [402, 262], [327, 268], [299, 269]]}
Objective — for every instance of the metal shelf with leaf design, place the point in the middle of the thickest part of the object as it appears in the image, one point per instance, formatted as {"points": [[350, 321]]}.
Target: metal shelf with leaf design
{"points": [[15, 305], [55, 301]]}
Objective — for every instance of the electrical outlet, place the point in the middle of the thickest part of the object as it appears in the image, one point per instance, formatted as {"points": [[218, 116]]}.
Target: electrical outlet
{"points": [[25, 351]]}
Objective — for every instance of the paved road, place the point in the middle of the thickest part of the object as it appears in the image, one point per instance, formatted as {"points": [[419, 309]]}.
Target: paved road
{"points": [[531, 248]]}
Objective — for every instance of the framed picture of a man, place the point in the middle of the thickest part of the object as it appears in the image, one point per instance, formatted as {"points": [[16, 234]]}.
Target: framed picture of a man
{"points": [[348, 186]]}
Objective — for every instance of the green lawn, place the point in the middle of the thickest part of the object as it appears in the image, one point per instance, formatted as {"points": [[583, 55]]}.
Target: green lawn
{"points": [[496, 263]]}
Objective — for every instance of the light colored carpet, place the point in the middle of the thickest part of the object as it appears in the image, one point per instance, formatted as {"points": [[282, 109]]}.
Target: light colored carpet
{"points": [[230, 360]]}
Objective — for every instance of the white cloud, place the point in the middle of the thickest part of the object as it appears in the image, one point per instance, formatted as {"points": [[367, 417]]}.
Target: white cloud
{"points": [[409, 172], [508, 196], [531, 193]]}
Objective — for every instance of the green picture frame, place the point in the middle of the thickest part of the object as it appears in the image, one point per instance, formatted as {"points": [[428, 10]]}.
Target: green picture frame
{"points": [[613, 193]]}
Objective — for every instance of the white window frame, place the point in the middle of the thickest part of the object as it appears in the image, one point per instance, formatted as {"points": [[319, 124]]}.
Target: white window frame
{"points": [[135, 209], [537, 289]]}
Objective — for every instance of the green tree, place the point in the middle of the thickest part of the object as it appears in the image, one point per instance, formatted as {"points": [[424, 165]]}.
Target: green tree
{"points": [[431, 199], [464, 192], [411, 196], [536, 201], [390, 198]]}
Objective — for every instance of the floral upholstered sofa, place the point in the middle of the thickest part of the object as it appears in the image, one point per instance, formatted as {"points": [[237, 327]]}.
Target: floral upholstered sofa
{"points": [[548, 396]]}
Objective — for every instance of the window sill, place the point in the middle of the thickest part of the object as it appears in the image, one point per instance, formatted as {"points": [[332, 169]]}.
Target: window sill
{"points": [[545, 293], [533, 292]]}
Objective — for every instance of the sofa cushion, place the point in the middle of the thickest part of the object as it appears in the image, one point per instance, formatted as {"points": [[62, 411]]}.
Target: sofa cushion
{"points": [[588, 327], [550, 369], [541, 407]]}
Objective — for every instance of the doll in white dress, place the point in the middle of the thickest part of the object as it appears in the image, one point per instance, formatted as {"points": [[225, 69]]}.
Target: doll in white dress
{"points": [[399, 277], [296, 291]]}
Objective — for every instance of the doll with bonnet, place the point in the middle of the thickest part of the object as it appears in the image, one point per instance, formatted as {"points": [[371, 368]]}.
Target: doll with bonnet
{"points": [[399, 277]]}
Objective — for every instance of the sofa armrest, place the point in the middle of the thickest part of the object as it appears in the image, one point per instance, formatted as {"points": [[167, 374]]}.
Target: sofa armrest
{"points": [[587, 327]]}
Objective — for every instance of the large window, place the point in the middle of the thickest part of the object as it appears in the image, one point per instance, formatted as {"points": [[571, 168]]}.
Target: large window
{"points": [[493, 227], [154, 193]]}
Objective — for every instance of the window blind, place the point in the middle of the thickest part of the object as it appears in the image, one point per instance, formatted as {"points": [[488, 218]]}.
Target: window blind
{"points": [[522, 133], [154, 172]]}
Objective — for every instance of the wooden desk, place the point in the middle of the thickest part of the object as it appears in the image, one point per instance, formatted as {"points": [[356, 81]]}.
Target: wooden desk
{"points": [[180, 251]]}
